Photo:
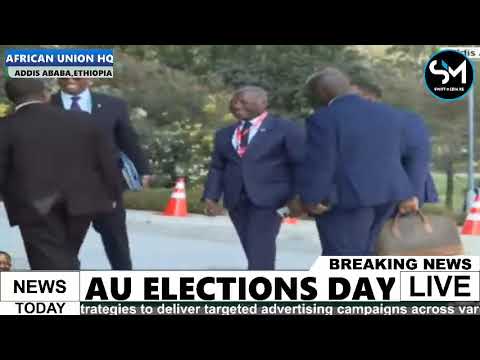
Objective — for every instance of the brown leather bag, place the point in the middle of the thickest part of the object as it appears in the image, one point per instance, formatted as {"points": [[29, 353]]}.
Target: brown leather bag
{"points": [[419, 235]]}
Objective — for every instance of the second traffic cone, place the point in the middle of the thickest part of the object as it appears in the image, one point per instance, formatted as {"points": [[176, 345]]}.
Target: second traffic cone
{"points": [[290, 220], [472, 223], [177, 205]]}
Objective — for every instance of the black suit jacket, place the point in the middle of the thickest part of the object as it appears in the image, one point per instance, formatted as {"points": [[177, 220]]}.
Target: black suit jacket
{"points": [[48, 155], [111, 114]]}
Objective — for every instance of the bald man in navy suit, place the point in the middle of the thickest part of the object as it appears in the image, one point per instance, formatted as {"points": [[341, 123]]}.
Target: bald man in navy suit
{"points": [[255, 169], [417, 146], [353, 176]]}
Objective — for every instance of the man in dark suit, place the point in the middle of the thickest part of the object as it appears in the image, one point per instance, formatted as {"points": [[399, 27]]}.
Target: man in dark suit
{"points": [[417, 147], [56, 173], [353, 177], [255, 166], [111, 115]]}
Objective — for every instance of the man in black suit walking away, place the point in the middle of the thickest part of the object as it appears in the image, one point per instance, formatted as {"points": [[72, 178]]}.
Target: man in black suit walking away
{"points": [[57, 173], [111, 115]]}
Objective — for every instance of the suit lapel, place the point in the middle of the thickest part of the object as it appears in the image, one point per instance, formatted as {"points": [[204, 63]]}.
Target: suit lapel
{"points": [[262, 134], [56, 100], [228, 142], [96, 103]]}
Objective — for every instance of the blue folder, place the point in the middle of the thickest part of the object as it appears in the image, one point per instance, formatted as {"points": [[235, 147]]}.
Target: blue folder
{"points": [[130, 173]]}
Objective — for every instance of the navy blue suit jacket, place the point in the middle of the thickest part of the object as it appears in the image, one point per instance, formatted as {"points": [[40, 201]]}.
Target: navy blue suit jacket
{"points": [[354, 151], [111, 114], [269, 171], [416, 158]]}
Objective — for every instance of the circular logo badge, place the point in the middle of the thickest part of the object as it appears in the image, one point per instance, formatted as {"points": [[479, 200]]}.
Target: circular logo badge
{"points": [[449, 75]]}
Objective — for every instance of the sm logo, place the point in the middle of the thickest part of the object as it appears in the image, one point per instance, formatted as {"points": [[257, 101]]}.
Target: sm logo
{"points": [[462, 69], [449, 75]]}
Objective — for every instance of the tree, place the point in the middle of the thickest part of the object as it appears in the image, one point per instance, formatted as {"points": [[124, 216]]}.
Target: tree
{"points": [[447, 121]]}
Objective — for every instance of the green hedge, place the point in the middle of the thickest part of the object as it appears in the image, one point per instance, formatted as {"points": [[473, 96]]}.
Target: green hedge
{"points": [[157, 199], [436, 209]]}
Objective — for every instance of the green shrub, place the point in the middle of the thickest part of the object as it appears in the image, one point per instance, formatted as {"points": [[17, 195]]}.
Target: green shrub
{"points": [[157, 199], [180, 150], [435, 209], [174, 113], [5, 108]]}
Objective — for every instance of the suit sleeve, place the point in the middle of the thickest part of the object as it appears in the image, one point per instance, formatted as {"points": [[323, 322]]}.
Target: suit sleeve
{"points": [[296, 147], [416, 155], [105, 155], [431, 192], [4, 154], [127, 140], [318, 170], [214, 184]]}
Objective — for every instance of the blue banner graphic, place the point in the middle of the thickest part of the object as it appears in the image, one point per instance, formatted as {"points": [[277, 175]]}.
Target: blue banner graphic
{"points": [[59, 57]]}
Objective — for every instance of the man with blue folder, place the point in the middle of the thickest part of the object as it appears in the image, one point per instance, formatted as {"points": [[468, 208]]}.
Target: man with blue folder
{"points": [[110, 114]]}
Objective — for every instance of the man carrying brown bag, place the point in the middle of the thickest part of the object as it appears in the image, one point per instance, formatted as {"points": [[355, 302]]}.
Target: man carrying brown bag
{"points": [[410, 232]]}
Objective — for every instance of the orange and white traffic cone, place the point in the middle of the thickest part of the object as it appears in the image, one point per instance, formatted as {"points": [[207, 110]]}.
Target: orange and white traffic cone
{"points": [[177, 205], [290, 220], [472, 223]]}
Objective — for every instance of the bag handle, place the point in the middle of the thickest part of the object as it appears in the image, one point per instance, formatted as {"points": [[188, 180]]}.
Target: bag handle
{"points": [[427, 225]]}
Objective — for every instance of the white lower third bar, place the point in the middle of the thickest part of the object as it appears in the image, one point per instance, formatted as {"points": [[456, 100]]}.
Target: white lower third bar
{"points": [[39, 308]]}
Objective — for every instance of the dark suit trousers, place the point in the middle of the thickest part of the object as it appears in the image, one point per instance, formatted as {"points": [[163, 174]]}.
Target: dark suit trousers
{"points": [[352, 232], [53, 242], [258, 230], [112, 228]]}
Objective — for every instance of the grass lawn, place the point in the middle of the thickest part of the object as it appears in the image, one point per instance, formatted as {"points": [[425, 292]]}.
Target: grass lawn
{"points": [[459, 187]]}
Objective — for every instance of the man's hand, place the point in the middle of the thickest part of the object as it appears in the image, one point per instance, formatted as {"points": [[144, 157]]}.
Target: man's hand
{"points": [[296, 208], [318, 209], [147, 180], [212, 208], [408, 206]]}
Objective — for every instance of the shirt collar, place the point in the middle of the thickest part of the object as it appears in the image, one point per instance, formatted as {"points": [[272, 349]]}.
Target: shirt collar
{"points": [[340, 97], [18, 107], [258, 120], [85, 94]]}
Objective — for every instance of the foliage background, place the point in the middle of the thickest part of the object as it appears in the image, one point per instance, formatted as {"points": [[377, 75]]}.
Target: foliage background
{"points": [[179, 94]]}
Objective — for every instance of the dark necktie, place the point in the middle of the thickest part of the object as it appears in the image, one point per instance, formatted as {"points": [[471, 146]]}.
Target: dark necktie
{"points": [[75, 105], [244, 135]]}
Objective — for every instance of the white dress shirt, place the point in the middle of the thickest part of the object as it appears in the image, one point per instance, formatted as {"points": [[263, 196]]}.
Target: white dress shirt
{"points": [[251, 132], [85, 101]]}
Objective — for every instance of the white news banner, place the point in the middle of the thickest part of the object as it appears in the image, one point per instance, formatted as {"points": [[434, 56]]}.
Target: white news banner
{"points": [[331, 279]]}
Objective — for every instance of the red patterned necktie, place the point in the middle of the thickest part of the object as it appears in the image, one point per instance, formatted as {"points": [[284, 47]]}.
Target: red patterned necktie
{"points": [[243, 138]]}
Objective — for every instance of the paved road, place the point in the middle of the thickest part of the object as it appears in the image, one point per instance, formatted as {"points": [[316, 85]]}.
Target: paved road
{"points": [[195, 242]]}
